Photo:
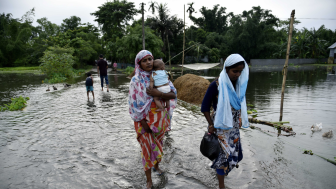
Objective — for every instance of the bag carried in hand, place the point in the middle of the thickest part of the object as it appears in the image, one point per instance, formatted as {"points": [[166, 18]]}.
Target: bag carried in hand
{"points": [[210, 146]]}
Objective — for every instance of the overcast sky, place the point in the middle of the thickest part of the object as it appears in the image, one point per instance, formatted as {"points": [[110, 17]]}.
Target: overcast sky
{"points": [[319, 11]]}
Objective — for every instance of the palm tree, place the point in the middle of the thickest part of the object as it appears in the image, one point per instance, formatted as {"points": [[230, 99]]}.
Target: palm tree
{"points": [[152, 6], [190, 8], [162, 22]]}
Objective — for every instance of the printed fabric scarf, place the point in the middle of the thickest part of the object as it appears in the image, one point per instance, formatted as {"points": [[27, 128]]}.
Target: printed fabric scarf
{"points": [[228, 96], [138, 100]]}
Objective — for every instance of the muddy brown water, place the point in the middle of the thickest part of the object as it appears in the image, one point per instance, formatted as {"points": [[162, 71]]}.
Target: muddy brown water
{"points": [[61, 140]]}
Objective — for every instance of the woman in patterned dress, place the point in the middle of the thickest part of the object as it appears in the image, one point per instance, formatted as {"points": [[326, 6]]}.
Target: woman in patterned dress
{"points": [[149, 124], [227, 97]]}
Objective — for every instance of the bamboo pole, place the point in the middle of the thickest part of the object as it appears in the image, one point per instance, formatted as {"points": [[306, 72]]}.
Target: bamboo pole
{"points": [[284, 71], [278, 125], [183, 40]]}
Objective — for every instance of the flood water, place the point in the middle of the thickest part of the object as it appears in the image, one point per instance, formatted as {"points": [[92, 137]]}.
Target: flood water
{"points": [[61, 140]]}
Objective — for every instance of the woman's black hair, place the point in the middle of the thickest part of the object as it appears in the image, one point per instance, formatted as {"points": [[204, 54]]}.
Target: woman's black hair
{"points": [[236, 65]]}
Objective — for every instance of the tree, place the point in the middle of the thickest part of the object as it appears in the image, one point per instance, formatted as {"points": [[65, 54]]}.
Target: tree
{"points": [[15, 39], [57, 63], [71, 23], [129, 45], [212, 20], [252, 34], [152, 6], [164, 24], [114, 17], [83, 39], [191, 9]]}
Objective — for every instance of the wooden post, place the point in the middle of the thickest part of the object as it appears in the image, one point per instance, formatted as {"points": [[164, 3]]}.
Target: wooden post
{"points": [[183, 40], [284, 71]]}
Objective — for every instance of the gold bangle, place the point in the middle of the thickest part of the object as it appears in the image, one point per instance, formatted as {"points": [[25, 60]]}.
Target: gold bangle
{"points": [[211, 126]]}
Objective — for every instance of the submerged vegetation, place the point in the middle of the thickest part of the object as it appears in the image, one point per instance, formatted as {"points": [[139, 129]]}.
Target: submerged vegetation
{"points": [[17, 104]]}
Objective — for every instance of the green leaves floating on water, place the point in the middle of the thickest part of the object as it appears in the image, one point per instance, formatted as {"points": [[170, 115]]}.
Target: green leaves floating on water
{"points": [[308, 152], [17, 104]]}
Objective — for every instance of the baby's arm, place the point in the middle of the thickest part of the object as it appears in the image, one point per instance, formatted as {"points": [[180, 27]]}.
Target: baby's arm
{"points": [[151, 84], [91, 79]]}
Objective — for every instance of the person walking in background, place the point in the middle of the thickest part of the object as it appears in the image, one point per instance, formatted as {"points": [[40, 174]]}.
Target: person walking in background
{"points": [[89, 85], [227, 97], [115, 66], [102, 67]]}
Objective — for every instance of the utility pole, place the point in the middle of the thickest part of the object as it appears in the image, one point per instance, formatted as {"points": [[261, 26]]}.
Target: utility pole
{"points": [[183, 40], [143, 26]]}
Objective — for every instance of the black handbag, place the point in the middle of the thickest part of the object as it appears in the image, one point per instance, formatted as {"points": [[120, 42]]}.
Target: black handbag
{"points": [[210, 146]]}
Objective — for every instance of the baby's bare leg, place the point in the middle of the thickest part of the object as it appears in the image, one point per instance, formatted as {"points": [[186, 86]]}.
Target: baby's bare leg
{"points": [[167, 103], [158, 104]]}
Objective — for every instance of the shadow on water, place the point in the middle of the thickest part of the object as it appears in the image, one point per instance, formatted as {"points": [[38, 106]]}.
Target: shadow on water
{"points": [[62, 140]]}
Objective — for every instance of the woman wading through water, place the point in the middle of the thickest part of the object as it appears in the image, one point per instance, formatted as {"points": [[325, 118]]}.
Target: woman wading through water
{"points": [[227, 97], [149, 124]]}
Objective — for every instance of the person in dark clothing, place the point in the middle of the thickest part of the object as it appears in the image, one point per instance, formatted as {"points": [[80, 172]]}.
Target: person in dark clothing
{"points": [[227, 97], [89, 85], [102, 67]]}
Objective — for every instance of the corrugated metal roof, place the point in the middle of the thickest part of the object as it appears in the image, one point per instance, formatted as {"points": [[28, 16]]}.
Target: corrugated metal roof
{"points": [[332, 46]]}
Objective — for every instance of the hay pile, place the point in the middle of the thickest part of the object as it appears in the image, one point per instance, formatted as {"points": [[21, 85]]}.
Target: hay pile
{"points": [[191, 88]]}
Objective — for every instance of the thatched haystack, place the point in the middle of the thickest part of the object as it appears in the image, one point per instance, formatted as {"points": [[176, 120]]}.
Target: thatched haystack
{"points": [[191, 88]]}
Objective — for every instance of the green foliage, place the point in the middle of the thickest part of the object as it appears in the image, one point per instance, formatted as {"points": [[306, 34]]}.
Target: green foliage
{"points": [[212, 20], [17, 104], [114, 16], [15, 35], [129, 45], [57, 63], [55, 78], [71, 23], [8, 69], [128, 70]]}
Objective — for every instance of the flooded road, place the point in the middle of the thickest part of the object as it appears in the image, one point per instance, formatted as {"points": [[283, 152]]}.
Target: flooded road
{"points": [[61, 140]]}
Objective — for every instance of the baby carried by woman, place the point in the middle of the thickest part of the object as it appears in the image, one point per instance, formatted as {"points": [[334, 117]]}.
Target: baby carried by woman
{"points": [[159, 79]]}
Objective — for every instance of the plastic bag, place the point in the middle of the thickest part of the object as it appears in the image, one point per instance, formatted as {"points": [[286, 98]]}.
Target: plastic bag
{"points": [[210, 146]]}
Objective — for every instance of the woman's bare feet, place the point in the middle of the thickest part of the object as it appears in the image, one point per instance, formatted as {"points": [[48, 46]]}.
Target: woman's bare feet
{"points": [[149, 185], [157, 169]]}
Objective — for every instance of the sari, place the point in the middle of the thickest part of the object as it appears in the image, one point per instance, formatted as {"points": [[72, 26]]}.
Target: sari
{"points": [[142, 107]]}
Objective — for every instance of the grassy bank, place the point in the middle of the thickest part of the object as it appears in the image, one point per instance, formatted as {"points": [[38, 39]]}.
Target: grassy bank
{"points": [[34, 69]]}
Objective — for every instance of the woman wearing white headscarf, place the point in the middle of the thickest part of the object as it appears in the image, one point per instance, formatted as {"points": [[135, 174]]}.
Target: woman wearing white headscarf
{"points": [[227, 97]]}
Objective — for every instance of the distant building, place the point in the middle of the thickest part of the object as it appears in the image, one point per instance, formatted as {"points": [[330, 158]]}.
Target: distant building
{"points": [[332, 54]]}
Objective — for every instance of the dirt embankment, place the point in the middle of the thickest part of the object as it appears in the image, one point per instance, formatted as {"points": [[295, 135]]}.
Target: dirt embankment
{"points": [[191, 88]]}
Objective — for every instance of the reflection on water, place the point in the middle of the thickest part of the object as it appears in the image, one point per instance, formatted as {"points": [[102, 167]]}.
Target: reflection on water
{"points": [[61, 140]]}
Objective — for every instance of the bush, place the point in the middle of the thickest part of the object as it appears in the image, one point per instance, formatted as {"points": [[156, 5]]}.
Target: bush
{"points": [[17, 104], [129, 70], [57, 63]]}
